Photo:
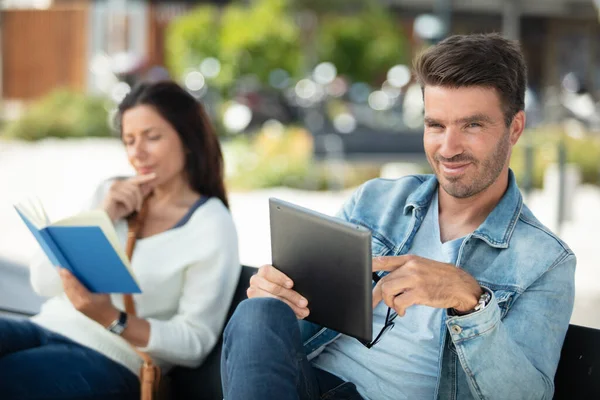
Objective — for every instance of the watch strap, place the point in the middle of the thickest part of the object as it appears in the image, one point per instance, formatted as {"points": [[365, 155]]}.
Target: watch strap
{"points": [[483, 301]]}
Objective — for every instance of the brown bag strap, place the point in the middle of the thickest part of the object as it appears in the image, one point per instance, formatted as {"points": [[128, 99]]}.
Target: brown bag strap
{"points": [[136, 223], [149, 373]]}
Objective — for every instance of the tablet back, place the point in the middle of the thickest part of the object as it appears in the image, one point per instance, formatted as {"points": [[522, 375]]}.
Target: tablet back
{"points": [[329, 261]]}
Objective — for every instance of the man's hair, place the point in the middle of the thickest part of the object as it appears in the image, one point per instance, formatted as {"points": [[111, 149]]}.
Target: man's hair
{"points": [[487, 60]]}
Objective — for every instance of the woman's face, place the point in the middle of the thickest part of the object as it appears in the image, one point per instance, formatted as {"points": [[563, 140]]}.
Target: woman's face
{"points": [[152, 144]]}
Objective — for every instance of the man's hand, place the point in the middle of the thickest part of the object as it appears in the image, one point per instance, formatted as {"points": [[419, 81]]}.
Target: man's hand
{"points": [[416, 280], [270, 282], [95, 306]]}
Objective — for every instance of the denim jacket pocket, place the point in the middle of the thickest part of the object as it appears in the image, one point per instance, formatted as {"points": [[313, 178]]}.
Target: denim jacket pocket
{"points": [[504, 298]]}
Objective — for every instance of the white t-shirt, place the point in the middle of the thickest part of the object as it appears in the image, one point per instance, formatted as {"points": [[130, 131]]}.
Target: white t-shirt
{"points": [[404, 364]]}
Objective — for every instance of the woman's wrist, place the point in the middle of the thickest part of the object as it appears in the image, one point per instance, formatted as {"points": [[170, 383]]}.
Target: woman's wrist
{"points": [[106, 317]]}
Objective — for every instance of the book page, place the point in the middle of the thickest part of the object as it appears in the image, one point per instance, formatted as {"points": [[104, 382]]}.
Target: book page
{"points": [[100, 219], [33, 209]]}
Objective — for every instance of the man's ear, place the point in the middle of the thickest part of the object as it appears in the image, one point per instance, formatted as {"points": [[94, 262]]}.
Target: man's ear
{"points": [[517, 127]]}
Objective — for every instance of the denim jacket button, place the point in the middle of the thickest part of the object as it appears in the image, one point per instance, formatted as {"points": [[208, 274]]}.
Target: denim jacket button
{"points": [[456, 329]]}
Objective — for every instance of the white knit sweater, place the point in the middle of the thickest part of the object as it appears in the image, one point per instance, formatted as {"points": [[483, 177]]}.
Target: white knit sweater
{"points": [[188, 277]]}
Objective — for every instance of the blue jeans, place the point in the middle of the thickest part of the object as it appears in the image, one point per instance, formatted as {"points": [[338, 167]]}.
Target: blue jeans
{"points": [[38, 364], [263, 358]]}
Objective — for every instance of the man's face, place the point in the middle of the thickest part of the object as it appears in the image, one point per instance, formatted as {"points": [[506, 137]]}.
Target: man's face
{"points": [[466, 140]]}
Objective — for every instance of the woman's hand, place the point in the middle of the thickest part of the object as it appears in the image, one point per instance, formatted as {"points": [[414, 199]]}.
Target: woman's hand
{"points": [[95, 306], [127, 196]]}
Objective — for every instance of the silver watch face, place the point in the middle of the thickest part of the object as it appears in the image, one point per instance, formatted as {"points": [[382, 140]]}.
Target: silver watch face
{"points": [[119, 325], [118, 329]]}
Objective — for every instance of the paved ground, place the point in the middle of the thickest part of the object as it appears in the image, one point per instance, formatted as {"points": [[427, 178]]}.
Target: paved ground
{"points": [[15, 291], [64, 173]]}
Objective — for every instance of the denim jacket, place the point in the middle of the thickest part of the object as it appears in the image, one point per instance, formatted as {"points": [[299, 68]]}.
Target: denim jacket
{"points": [[511, 348]]}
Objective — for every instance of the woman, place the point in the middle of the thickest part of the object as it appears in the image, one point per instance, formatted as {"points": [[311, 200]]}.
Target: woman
{"points": [[185, 260]]}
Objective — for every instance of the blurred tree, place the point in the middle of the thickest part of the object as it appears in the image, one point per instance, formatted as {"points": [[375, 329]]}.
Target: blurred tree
{"points": [[363, 45], [260, 39], [361, 38], [247, 40], [191, 38]]}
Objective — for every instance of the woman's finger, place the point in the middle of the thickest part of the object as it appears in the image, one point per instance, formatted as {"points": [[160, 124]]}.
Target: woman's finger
{"points": [[127, 201], [142, 179], [135, 193]]}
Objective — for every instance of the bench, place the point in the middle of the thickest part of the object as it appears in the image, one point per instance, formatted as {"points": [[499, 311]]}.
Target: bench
{"points": [[577, 377], [204, 382]]}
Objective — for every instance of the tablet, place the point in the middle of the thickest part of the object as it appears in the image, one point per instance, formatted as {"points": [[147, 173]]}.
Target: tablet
{"points": [[329, 261]]}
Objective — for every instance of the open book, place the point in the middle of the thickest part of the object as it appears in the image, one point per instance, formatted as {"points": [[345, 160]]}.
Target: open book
{"points": [[85, 244]]}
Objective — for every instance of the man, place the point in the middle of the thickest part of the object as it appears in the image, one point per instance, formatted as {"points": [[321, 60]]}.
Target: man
{"points": [[482, 290]]}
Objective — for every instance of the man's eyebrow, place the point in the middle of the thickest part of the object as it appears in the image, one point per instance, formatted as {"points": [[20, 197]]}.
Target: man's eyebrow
{"points": [[475, 118], [464, 120], [430, 121]]}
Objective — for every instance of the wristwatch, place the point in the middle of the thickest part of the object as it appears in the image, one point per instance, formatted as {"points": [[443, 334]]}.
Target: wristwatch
{"points": [[484, 299], [119, 324]]}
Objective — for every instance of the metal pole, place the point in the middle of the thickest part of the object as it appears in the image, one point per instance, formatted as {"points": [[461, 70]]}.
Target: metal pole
{"points": [[529, 165], [511, 20], [334, 161], [443, 10], [562, 160]]}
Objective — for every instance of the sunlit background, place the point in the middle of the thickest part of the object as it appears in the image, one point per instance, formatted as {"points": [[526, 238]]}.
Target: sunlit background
{"points": [[310, 98]]}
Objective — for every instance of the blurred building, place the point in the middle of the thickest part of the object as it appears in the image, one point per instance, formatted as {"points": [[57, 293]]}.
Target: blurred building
{"points": [[46, 44], [52, 43], [558, 36]]}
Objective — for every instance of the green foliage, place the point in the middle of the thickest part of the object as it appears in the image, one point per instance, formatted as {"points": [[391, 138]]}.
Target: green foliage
{"points": [[362, 46], [270, 158], [246, 40], [261, 37], [582, 151], [191, 38], [62, 114], [274, 158], [585, 153]]}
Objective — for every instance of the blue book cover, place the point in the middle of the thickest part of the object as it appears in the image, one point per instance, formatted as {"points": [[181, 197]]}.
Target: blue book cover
{"points": [[86, 245]]}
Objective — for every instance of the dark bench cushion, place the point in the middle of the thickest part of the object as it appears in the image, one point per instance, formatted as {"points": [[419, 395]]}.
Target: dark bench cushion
{"points": [[578, 373], [204, 382]]}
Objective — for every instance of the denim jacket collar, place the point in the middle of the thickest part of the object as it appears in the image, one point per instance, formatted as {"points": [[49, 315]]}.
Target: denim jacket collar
{"points": [[498, 227]]}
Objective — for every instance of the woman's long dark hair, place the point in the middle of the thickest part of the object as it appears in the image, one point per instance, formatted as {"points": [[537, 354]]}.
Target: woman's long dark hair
{"points": [[204, 160]]}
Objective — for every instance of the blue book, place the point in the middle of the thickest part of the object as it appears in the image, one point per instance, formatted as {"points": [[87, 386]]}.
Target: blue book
{"points": [[85, 244]]}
